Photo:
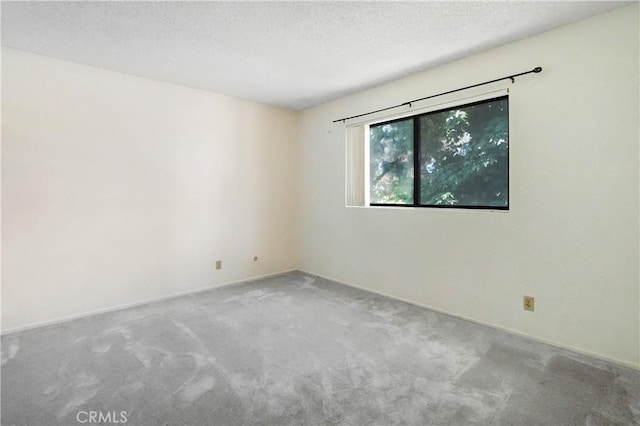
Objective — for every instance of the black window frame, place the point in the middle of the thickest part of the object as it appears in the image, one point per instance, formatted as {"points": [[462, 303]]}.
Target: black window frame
{"points": [[416, 159]]}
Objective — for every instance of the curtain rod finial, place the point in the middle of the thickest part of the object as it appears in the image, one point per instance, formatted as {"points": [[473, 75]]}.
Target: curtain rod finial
{"points": [[537, 69]]}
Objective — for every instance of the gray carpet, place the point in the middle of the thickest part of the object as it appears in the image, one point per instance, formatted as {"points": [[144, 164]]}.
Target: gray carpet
{"points": [[297, 349]]}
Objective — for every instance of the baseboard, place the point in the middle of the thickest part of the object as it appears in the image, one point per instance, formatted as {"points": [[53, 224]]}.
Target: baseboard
{"points": [[61, 320], [486, 324]]}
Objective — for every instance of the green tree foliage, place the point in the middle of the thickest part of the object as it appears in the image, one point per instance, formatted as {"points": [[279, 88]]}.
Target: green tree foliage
{"points": [[391, 163], [463, 157]]}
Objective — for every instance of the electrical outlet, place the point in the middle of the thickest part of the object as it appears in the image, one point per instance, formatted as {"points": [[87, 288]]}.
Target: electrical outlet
{"points": [[528, 303], [218, 264]]}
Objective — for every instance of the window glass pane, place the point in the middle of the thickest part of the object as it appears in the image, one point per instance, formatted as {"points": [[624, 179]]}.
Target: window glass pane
{"points": [[464, 155], [391, 163]]}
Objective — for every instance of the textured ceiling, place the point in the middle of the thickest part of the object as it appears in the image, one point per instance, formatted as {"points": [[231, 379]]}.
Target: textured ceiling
{"points": [[290, 54]]}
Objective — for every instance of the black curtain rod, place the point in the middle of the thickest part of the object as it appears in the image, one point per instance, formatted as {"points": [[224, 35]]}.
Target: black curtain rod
{"points": [[509, 77]]}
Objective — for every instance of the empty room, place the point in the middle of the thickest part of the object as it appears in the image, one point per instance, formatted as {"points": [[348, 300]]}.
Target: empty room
{"points": [[320, 213]]}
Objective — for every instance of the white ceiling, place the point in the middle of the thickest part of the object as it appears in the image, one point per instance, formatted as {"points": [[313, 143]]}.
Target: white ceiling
{"points": [[290, 54]]}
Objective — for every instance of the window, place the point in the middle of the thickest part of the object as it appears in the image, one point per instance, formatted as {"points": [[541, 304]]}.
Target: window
{"points": [[455, 157]]}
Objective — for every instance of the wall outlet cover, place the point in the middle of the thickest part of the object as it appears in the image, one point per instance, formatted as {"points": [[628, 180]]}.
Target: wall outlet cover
{"points": [[528, 303]]}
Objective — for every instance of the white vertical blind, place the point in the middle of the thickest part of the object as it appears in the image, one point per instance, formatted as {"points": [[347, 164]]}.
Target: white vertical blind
{"points": [[355, 166]]}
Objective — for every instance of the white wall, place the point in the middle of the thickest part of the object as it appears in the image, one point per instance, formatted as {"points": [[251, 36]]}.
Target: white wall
{"points": [[571, 236], [118, 189]]}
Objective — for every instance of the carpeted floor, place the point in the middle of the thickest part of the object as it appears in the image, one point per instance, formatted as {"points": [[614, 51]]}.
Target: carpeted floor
{"points": [[297, 349]]}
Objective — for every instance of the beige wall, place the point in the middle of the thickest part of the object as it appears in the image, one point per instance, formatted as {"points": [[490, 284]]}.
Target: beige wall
{"points": [[118, 189], [571, 236]]}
